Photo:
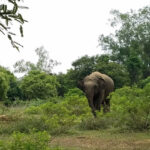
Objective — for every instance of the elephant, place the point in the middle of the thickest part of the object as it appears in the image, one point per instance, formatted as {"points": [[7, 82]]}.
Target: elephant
{"points": [[97, 87]]}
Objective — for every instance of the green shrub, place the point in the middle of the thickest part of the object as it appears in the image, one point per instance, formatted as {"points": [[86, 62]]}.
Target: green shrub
{"points": [[78, 106], [23, 124], [74, 92], [40, 85], [7, 103], [57, 117], [9, 86], [56, 125], [19, 102], [32, 141], [3, 108], [131, 108], [77, 103], [142, 83], [50, 109], [33, 110], [4, 85], [102, 121]]}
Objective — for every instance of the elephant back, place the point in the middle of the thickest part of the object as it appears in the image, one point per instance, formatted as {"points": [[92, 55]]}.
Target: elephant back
{"points": [[108, 81]]}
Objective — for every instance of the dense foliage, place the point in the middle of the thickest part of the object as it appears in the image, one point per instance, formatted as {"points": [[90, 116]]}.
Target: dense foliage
{"points": [[39, 85], [86, 64], [129, 45], [32, 141], [9, 85], [130, 107], [3, 86]]}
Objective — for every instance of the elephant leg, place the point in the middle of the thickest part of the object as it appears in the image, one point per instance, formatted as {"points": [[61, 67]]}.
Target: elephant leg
{"points": [[100, 99], [93, 110], [91, 104], [97, 103], [106, 105]]}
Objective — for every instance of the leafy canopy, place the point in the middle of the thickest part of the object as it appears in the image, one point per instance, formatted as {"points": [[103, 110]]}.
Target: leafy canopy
{"points": [[40, 85], [8, 85], [130, 43]]}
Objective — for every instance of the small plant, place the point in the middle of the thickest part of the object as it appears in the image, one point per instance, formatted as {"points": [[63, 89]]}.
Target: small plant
{"points": [[32, 141], [23, 125], [33, 110], [103, 121]]}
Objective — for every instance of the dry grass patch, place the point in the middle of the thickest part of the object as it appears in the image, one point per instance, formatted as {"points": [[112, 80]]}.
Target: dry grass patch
{"points": [[103, 141]]}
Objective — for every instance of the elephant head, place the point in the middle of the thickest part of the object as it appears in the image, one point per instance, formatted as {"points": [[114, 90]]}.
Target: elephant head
{"points": [[97, 87]]}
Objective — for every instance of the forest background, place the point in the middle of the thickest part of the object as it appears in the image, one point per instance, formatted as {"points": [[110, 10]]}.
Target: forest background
{"points": [[41, 104]]}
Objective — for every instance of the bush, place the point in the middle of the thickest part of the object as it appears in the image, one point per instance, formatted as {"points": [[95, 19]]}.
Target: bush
{"points": [[130, 107], [33, 110], [9, 86], [142, 83], [32, 141], [74, 92], [78, 105], [101, 122], [130, 110], [4, 85], [23, 124], [39, 85], [57, 117], [7, 103], [60, 116]]}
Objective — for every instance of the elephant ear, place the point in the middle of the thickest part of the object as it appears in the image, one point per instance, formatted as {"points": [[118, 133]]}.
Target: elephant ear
{"points": [[80, 85], [101, 82]]}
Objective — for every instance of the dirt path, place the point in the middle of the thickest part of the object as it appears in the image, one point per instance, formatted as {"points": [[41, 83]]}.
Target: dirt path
{"points": [[95, 142]]}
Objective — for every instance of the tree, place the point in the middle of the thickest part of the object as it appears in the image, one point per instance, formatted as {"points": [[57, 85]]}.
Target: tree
{"points": [[9, 13], [102, 63], [67, 81], [144, 82], [4, 85], [83, 66], [38, 84], [44, 63], [61, 78], [134, 66], [14, 92], [116, 71], [130, 43], [86, 65], [9, 88]]}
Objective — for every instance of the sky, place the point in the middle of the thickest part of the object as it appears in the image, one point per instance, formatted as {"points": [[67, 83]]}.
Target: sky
{"points": [[68, 29]]}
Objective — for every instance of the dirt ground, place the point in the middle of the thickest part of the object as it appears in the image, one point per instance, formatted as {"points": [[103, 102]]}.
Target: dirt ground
{"points": [[105, 141]]}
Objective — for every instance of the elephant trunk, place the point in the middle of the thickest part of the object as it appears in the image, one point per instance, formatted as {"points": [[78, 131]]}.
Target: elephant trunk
{"points": [[90, 97]]}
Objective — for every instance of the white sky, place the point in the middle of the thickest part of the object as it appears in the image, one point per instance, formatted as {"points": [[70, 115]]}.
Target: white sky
{"points": [[68, 29]]}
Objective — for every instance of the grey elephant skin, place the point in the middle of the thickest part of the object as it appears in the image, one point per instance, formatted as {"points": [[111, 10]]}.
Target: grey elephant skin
{"points": [[97, 87]]}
